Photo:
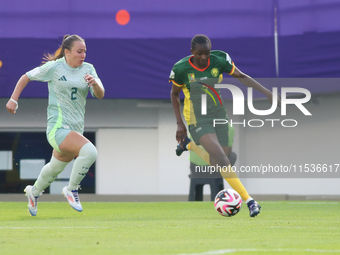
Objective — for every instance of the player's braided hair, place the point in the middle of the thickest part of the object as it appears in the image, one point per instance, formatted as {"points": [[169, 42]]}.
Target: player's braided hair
{"points": [[67, 43], [200, 39]]}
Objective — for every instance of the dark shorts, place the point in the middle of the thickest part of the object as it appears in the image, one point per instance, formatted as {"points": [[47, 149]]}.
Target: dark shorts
{"points": [[206, 127]]}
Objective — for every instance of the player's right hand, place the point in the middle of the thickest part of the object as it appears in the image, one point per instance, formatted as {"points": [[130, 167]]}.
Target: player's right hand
{"points": [[181, 130], [11, 106]]}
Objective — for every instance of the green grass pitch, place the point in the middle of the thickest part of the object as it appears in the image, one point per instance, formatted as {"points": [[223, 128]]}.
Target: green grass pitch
{"points": [[169, 228]]}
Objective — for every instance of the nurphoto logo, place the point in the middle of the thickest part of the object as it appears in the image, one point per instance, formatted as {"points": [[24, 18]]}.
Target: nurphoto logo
{"points": [[238, 105]]}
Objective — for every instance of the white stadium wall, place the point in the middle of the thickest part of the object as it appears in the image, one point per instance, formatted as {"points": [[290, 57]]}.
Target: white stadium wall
{"points": [[136, 145]]}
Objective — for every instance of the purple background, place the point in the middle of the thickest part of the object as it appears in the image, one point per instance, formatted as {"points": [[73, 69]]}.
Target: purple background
{"points": [[134, 61]]}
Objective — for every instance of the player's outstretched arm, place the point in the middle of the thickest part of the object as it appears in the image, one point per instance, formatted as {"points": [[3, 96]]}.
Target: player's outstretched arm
{"points": [[12, 104], [250, 82]]}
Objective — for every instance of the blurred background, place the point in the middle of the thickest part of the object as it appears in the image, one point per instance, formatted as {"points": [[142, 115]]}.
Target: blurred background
{"points": [[133, 45]]}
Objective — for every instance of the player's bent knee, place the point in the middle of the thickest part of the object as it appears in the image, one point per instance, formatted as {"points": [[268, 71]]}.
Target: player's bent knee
{"points": [[221, 161], [228, 173], [88, 151], [56, 165]]}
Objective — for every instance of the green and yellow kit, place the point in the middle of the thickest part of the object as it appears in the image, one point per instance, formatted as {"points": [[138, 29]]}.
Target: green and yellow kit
{"points": [[196, 82]]}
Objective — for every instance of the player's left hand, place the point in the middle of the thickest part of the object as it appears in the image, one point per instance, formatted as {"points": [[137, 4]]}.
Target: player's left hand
{"points": [[279, 101], [270, 98], [91, 81]]}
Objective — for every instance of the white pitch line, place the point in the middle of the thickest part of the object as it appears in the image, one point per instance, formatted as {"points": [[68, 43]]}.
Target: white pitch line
{"points": [[315, 203], [48, 227], [305, 227], [260, 250], [302, 203]]}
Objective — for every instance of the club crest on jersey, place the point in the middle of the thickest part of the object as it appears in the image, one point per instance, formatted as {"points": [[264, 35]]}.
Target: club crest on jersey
{"points": [[191, 77], [214, 72]]}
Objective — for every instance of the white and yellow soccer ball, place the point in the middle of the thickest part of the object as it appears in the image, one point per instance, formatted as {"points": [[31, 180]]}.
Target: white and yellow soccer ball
{"points": [[228, 202]]}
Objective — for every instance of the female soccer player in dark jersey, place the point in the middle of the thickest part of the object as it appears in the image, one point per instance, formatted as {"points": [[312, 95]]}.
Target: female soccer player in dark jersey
{"points": [[196, 75]]}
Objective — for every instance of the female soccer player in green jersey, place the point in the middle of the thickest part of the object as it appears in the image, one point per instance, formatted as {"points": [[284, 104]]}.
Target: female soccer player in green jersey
{"points": [[69, 81], [195, 75]]}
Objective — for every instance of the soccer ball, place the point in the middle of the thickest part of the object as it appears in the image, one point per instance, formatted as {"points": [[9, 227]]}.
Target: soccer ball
{"points": [[228, 202]]}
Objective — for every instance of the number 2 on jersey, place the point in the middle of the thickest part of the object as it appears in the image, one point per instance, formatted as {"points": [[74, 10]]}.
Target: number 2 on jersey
{"points": [[74, 92]]}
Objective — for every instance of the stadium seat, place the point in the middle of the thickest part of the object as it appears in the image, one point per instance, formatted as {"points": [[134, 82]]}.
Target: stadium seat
{"points": [[196, 187]]}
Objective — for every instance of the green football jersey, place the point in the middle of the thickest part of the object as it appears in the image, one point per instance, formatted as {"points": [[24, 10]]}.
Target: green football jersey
{"points": [[196, 82], [67, 93]]}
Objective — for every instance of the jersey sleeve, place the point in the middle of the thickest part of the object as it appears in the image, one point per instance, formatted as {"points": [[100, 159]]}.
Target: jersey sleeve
{"points": [[42, 73], [228, 64], [175, 77], [92, 71]]}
